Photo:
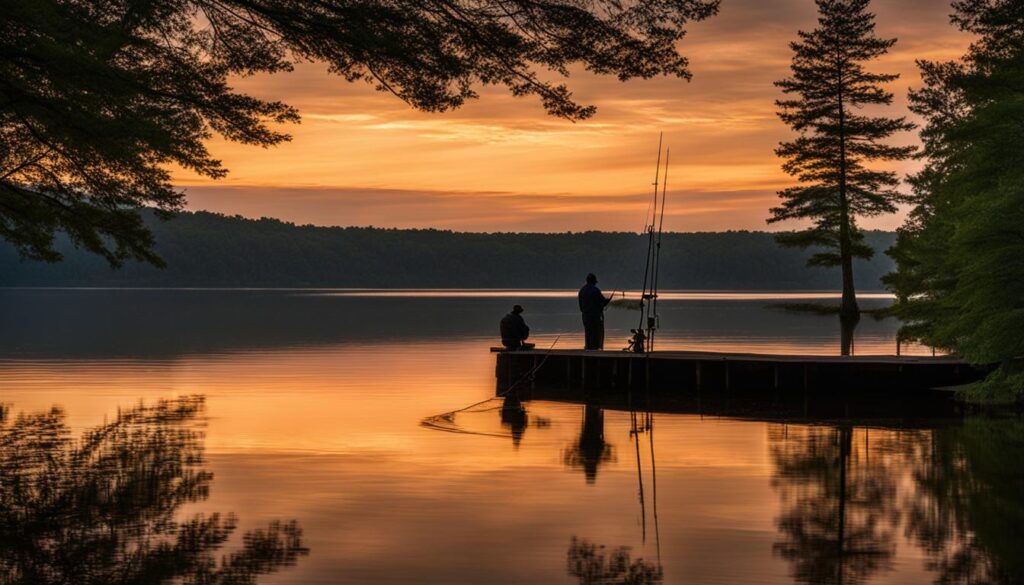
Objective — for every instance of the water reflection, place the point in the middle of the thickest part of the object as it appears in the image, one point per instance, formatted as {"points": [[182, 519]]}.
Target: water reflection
{"points": [[968, 513], [836, 522], [102, 508], [957, 491], [514, 417], [594, 564], [591, 450]]}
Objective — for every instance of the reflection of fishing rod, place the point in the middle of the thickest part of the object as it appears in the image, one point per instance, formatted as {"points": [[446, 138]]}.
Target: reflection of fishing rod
{"points": [[639, 476], [654, 485]]}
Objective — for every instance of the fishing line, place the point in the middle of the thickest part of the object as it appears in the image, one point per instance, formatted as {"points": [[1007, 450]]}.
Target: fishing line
{"points": [[446, 420]]}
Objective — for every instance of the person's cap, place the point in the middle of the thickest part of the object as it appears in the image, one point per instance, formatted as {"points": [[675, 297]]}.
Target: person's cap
{"points": [[591, 277], [517, 309]]}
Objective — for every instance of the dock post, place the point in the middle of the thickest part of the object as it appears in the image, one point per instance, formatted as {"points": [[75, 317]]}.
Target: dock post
{"points": [[697, 374], [533, 376], [806, 385], [629, 374], [647, 375], [726, 376], [508, 374], [615, 373], [775, 382]]}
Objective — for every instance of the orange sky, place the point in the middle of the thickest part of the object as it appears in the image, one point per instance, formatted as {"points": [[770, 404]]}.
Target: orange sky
{"points": [[500, 164]]}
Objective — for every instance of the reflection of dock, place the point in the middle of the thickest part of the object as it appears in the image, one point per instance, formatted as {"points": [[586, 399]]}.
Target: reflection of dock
{"points": [[692, 375]]}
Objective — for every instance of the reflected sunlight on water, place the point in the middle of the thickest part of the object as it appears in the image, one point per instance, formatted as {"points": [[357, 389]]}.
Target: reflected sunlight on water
{"points": [[311, 414]]}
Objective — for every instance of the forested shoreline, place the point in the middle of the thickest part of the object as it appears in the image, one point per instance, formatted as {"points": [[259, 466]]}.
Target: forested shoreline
{"points": [[208, 249]]}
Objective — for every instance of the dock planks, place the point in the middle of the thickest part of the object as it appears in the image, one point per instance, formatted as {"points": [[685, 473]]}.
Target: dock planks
{"points": [[680, 371]]}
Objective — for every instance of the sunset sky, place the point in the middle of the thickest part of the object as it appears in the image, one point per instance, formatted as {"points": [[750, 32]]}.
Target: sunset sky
{"points": [[360, 157]]}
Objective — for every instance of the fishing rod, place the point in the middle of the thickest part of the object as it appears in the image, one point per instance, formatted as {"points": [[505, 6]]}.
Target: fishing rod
{"points": [[648, 260], [649, 228], [652, 322]]}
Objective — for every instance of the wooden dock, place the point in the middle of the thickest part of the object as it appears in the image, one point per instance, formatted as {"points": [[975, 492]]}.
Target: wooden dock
{"points": [[696, 370], [700, 377]]}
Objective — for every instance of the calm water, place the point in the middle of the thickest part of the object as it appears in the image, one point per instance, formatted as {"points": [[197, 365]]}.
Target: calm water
{"points": [[275, 436]]}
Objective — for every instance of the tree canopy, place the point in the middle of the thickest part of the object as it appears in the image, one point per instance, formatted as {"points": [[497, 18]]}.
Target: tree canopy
{"points": [[829, 157], [206, 249], [960, 255], [99, 97]]}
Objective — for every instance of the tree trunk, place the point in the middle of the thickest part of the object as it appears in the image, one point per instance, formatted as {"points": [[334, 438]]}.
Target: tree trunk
{"points": [[847, 326], [848, 309]]}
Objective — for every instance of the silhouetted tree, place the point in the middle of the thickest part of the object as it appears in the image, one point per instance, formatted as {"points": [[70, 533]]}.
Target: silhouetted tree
{"points": [[101, 509], [98, 98], [835, 141], [847, 329], [960, 276], [207, 249], [596, 565]]}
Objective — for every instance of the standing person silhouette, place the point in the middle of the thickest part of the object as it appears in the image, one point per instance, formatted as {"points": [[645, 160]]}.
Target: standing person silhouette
{"points": [[592, 304]]}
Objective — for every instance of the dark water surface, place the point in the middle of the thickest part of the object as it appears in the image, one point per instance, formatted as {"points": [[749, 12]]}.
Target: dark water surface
{"points": [[275, 437]]}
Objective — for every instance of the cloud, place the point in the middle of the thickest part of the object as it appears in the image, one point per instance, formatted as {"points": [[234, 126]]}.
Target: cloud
{"points": [[362, 157]]}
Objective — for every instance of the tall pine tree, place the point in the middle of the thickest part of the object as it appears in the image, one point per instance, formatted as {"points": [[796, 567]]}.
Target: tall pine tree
{"points": [[960, 257], [837, 139]]}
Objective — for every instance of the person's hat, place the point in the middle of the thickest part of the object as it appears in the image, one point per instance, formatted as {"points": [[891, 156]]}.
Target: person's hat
{"points": [[517, 309], [591, 277]]}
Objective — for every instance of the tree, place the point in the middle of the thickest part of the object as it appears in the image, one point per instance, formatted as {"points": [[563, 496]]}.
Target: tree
{"points": [[960, 256], [98, 97], [829, 156]]}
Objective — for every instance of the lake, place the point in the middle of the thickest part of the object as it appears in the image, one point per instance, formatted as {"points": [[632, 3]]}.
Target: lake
{"points": [[275, 436]]}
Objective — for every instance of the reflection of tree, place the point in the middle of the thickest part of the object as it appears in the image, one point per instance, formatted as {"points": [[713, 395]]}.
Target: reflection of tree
{"points": [[968, 512], [834, 505], [595, 565], [590, 450], [101, 508]]}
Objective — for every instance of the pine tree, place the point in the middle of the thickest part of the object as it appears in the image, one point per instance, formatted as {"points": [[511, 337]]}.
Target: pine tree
{"points": [[829, 157], [960, 257]]}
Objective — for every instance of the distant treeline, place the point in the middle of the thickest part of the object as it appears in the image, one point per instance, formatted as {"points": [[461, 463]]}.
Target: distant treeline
{"points": [[206, 249]]}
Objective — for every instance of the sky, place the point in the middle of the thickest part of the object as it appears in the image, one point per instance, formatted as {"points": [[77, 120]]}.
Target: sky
{"points": [[360, 157]]}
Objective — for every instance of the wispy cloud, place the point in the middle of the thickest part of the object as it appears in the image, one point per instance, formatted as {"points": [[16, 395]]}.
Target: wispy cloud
{"points": [[362, 157]]}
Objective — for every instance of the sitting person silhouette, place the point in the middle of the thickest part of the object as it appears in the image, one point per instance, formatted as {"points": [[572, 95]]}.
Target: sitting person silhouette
{"points": [[514, 330]]}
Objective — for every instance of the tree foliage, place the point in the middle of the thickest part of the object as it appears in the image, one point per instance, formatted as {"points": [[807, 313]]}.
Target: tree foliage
{"points": [[99, 97], [206, 249], [835, 144], [960, 255]]}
